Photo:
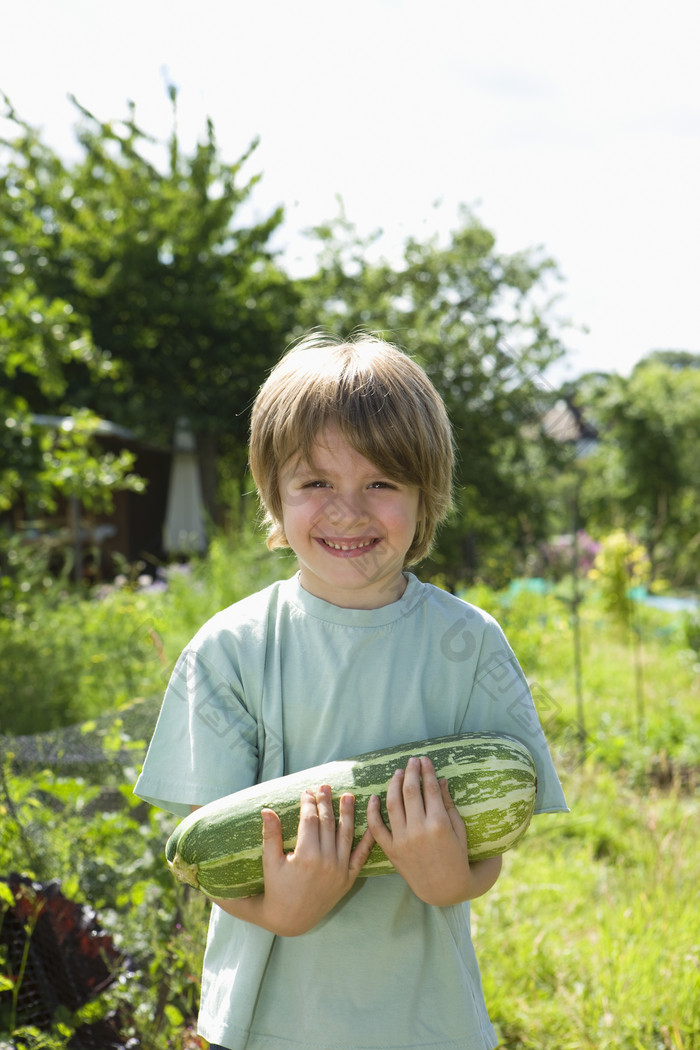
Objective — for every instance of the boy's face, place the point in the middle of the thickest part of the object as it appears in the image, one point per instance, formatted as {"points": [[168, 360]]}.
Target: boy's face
{"points": [[349, 525]]}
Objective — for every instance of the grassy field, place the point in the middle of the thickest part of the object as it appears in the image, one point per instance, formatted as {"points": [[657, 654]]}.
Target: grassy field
{"points": [[591, 937]]}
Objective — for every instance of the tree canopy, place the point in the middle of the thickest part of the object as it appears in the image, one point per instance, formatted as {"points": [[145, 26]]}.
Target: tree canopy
{"points": [[182, 305]]}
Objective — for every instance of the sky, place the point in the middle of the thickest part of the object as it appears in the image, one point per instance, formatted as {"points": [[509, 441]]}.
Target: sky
{"points": [[568, 128]]}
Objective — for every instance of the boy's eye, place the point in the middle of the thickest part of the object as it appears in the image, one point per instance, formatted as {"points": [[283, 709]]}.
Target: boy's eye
{"points": [[319, 483]]}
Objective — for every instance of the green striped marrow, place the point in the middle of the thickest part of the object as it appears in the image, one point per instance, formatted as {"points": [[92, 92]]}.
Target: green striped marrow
{"points": [[491, 777]]}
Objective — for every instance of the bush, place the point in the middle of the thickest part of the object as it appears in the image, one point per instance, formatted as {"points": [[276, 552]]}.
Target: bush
{"points": [[67, 655]]}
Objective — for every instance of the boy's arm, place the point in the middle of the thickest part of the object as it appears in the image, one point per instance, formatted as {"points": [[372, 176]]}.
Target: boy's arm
{"points": [[303, 886], [427, 840]]}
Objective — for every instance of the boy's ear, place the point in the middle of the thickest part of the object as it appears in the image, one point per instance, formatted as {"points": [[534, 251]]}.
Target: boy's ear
{"points": [[276, 537]]}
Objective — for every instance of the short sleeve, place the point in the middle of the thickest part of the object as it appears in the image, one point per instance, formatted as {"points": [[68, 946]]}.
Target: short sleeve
{"points": [[204, 745], [501, 701]]}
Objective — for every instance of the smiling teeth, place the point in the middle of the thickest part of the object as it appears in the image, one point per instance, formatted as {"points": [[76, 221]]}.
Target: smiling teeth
{"points": [[348, 546]]}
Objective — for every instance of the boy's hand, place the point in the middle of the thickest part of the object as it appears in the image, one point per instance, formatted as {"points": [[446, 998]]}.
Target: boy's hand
{"points": [[427, 840], [303, 886]]}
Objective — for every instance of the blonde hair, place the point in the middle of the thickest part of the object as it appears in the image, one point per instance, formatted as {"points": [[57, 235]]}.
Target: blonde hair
{"points": [[381, 402]]}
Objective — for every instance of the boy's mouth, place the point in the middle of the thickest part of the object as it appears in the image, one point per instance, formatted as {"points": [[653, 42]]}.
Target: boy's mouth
{"points": [[348, 546]]}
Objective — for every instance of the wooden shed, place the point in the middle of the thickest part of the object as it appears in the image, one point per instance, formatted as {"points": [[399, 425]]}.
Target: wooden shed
{"points": [[96, 543]]}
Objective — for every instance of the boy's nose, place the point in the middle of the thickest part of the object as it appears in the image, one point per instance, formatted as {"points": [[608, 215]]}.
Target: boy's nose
{"points": [[345, 510]]}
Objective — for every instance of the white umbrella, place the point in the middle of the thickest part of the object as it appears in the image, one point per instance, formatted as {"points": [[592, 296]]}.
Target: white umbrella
{"points": [[184, 531]]}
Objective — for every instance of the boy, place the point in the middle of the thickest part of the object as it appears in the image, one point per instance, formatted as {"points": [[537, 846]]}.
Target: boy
{"points": [[351, 453]]}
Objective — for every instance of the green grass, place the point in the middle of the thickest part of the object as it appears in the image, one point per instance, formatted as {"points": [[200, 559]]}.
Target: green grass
{"points": [[591, 938]]}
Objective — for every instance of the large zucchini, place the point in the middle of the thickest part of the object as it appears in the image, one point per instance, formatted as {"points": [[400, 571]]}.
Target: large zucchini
{"points": [[491, 777]]}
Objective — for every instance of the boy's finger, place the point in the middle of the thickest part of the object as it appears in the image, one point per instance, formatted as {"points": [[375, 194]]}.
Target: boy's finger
{"points": [[326, 816], [432, 790], [375, 823], [395, 799], [308, 833], [412, 790], [346, 824], [272, 847], [360, 853]]}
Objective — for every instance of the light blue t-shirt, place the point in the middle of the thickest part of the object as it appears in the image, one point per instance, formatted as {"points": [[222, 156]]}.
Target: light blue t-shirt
{"points": [[282, 681]]}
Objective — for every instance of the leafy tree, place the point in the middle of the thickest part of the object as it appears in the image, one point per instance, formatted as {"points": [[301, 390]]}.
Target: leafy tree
{"points": [[645, 475], [675, 359], [39, 340], [478, 320], [183, 303]]}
